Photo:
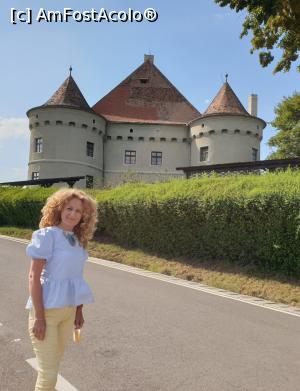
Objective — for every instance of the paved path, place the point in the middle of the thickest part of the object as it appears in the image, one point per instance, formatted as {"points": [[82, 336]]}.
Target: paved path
{"points": [[145, 334]]}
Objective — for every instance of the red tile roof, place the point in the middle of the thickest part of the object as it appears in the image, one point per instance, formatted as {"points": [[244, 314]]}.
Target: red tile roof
{"points": [[226, 102], [68, 94], [146, 95]]}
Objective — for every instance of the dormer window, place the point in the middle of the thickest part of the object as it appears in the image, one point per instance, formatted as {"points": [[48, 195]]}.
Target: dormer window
{"points": [[144, 80]]}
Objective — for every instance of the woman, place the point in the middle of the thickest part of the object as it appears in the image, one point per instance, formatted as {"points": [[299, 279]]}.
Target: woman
{"points": [[56, 285]]}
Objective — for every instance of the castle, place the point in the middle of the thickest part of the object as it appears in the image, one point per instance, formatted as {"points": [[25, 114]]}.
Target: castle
{"points": [[143, 129]]}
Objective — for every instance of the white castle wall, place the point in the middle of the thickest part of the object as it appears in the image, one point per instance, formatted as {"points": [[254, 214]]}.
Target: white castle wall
{"points": [[230, 138], [64, 143], [175, 152]]}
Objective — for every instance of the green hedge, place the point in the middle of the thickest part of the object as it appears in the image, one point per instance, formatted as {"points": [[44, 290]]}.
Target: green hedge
{"points": [[241, 218], [247, 219]]}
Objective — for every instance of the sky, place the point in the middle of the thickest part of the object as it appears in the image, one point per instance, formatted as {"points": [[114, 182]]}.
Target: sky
{"points": [[194, 43]]}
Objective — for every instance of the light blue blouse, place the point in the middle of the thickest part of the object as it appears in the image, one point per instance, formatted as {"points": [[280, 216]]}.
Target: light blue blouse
{"points": [[62, 277]]}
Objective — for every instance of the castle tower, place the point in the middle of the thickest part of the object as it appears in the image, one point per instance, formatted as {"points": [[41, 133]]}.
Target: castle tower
{"points": [[66, 138], [226, 132]]}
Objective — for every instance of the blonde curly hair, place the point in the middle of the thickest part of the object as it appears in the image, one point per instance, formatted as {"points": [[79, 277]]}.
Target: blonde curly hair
{"points": [[51, 213]]}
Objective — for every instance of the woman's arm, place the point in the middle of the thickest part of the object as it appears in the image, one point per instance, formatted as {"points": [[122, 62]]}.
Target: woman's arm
{"points": [[35, 288], [36, 293]]}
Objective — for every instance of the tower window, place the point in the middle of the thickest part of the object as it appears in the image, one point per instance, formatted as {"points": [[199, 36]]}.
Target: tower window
{"points": [[174, 139], [151, 138], [47, 123], [249, 132], [71, 123], [131, 130], [184, 140], [203, 154], [84, 126], [94, 121], [156, 158], [224, 130], [254, 154], [108, 137], [36, 124], [38, 144], [89, 181], [141, 138], [119, 137], [90, 149], [130, 157], [35, 175], [237, 131], [129, 138], [212, 131], [58, 122], [162, 139]]}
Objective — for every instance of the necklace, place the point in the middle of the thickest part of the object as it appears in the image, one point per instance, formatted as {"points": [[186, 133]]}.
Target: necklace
{"points": [[71, 238]]}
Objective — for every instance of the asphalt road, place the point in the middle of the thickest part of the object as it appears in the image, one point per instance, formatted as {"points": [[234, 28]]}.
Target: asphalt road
{"points": [[144, 334]]}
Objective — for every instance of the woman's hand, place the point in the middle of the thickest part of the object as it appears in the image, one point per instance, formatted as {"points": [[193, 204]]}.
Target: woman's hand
{"points": [[39, 329], [79, 319]]}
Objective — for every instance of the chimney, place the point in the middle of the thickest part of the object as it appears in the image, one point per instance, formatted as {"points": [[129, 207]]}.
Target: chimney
{"points": [[252, 105], [149, 57]]}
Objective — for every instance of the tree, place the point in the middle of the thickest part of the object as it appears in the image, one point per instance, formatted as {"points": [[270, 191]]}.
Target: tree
{"points": [[274, 24], [287, 121]]}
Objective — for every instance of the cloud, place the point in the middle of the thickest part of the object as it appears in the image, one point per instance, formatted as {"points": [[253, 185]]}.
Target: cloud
{"points": [[13, 128]]}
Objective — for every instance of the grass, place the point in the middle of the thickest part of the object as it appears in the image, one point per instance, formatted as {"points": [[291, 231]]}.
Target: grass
{"points": [[248, 280]]}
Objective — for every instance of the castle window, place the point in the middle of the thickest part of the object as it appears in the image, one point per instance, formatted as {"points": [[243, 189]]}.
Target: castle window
{"points": [[37, 116], [194, 136], [36, 124], [71, 123], [130, 157], [58, 122], [257, 127], [202, 125], [224, 130], [141, 138], [47, 123], [151, 138], [108, 137], [237, 131], [184, 140], [35, 175], [173, 139], [162, 139], [119, 137], [256, 135], [129, 138], [249, 132], [131, 130], [94, 121], [200, 134], [94, 129], [254, 154], [89, 181], [156, 158], [30, 126], [90, 149], [84, 126], [38, 144], [212, 132], [203, 154]]}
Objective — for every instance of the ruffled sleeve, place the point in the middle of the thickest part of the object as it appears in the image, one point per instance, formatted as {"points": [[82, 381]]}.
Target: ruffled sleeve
{"points": [[41, 245]]}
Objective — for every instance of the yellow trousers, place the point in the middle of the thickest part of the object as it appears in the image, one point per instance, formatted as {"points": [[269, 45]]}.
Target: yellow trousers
{"points": [[49, 351]]}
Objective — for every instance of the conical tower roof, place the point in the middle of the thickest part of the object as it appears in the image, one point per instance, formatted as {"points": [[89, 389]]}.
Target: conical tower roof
{"points": [[68, 94], [226, 102], [147, 96]]}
